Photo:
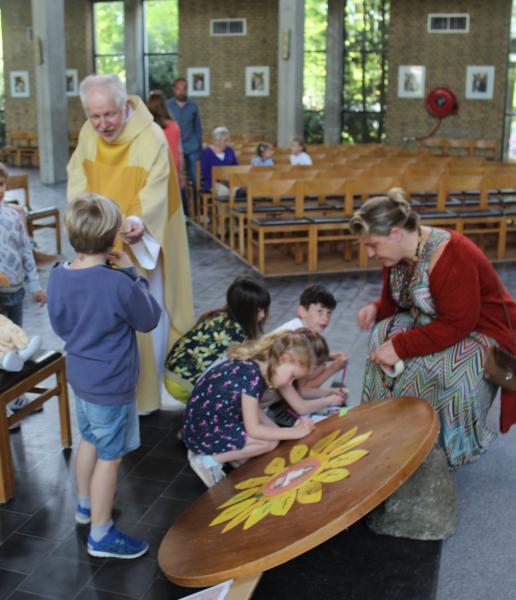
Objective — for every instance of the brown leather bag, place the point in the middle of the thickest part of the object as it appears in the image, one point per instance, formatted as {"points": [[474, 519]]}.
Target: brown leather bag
{"points": [[500, 367]]}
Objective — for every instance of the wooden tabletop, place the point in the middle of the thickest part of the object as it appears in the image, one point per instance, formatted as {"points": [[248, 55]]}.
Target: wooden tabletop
{"points": [[299, 495]]}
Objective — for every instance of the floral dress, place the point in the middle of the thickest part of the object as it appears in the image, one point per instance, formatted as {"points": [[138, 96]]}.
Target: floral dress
{"points": [[198, 349], [213, 419], [451, 380]]}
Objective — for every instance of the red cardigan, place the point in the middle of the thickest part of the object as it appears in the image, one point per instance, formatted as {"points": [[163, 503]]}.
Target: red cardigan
{"points": [[464, 288]]}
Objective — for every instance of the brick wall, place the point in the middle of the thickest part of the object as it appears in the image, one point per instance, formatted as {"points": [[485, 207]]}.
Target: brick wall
{"points": [[20, 113], [446, 57], [227, 58]]}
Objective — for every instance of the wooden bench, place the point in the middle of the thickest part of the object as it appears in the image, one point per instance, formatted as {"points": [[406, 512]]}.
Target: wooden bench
{"points": [[12, 385]]}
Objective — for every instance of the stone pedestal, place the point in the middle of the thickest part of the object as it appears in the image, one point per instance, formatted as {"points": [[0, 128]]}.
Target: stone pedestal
{"points": [[424, 507]]}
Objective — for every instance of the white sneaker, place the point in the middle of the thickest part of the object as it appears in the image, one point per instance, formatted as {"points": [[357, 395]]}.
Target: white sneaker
{"points": [[16, 426], [209, 470], [21, 402]]}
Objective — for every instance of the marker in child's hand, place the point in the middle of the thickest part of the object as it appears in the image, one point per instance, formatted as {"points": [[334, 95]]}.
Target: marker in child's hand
{"points": [[343, 411], [344, 370]]}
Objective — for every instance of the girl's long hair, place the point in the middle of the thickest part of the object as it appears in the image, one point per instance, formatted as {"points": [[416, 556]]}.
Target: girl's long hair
{"points": [[244, 298], [157, 105], [271, 347]]}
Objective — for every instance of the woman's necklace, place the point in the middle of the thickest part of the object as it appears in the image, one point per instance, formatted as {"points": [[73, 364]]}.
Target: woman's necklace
{"points": [[405, 299]]}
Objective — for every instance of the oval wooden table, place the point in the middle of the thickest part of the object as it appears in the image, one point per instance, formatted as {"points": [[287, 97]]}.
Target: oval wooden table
{"points": [[284, 503]]}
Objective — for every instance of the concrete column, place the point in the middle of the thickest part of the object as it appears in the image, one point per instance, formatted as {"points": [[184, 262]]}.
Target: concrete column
{"points": [[133, 19], [290, 69], [51, 100], [334, 66]]}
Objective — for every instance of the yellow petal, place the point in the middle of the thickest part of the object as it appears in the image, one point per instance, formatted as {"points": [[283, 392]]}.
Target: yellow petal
{"points": [[309, 492], [343, 439], [232, 511], [351, 444], [275, 466], [253, 482], [331, 475], [240, 496], [282, 504], [348, 458], [321, 444], [257, 515], [238, 519], [298, 453]]}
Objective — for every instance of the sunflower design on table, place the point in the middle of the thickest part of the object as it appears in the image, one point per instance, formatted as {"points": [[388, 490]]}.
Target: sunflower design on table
{"points": [[275, 492]]}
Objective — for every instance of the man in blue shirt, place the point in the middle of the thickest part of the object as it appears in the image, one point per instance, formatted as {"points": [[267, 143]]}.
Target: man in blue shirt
{"points": [[186, 113]]}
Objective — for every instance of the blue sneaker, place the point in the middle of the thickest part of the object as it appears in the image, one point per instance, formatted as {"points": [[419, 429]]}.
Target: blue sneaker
{"points": [[116, 544], [82, 515]]}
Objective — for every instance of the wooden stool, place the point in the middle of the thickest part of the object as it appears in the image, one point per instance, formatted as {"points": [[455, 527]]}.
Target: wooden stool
{"points": [[12, 385]]}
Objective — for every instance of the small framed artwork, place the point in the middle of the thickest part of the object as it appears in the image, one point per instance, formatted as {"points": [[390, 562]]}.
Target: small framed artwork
{"points": [[19, 84], [257, 81], [479, 82], [72, 82], [411, 81], [198, 79]]}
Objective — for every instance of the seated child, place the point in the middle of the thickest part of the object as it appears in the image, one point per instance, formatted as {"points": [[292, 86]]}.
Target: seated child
{"points": [[263, 156], [96, 309], [224, 421], [299, 155], [242, 318], [316, 306]]}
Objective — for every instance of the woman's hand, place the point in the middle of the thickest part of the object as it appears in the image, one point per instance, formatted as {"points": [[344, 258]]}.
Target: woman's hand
{"points": [[366, 316], [385, 355]]}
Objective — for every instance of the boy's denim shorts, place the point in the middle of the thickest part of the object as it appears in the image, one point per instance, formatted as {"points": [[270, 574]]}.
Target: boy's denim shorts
{"points": [[114, 430]]}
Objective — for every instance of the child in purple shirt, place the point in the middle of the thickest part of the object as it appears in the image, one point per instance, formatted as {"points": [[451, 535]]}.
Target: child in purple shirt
{"points": [[96, 309]]}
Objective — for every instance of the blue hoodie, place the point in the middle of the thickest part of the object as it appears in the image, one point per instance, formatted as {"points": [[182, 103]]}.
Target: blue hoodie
{"points": [[96, 311]]}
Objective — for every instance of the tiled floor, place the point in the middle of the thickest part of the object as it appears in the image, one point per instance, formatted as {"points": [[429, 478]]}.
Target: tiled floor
{"points": [[42, 553]]}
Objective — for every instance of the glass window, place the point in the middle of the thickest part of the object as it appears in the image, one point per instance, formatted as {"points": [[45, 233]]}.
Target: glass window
{"points": [[509, 142], [109, 37], [2, 89], [314, 73], [161, 25]]}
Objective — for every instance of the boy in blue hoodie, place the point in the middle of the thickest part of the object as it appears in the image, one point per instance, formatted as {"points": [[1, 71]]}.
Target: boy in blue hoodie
{"points": [[96, 309]]}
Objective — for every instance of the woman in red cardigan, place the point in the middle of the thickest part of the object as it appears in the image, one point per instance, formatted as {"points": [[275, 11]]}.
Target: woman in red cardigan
{"points": [[439, 310]]}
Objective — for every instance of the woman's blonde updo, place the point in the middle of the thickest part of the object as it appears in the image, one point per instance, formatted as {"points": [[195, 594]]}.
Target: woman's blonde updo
{"points": [[380, 214]]}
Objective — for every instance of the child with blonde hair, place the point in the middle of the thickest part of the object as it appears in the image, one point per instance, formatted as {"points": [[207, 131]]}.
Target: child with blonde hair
{"points": [[224, 421]]}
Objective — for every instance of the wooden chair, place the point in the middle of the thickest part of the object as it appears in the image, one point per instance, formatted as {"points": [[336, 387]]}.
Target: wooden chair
{"points": [[12, 385], [35, 216], [277, 222], [330, 216], [22, 146], [436, 145], [486, 148], [460, 147]]}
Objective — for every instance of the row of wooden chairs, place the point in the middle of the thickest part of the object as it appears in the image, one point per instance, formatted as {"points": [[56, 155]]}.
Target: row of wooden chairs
{"points": [[22, 148], [279, 212], [467, 147]]}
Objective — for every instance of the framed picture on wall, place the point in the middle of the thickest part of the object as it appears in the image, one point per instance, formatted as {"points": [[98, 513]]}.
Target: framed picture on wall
{"points": [[19, 84], [198, 79], [72, 82], [257, 81], [479, 82], [411, 81]]}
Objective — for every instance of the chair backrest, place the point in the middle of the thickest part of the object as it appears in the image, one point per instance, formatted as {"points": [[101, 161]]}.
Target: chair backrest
{"points": [[365, 187], [421, 184], [462, 183], [274, 191], [223, 174], [20, 182], [322, 189]]}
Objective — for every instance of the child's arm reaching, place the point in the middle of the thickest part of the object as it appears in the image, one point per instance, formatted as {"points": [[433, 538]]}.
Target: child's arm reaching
{"points": [[256, 429], [303, 407], [338, 359]]}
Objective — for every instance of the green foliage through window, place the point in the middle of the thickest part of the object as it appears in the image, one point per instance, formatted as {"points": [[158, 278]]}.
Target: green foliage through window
{"points": [[365, 70], [109, 37], [161, 44]]}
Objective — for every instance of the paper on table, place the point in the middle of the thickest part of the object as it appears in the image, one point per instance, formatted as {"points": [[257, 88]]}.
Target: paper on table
{"points": [[217, 592]]}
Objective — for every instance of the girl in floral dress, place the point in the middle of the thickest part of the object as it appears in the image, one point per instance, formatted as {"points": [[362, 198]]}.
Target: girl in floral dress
{"points": [[224, 421], [243, 317]]}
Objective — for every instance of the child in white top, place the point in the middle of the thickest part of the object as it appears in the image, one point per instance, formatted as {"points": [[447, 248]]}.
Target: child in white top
{"points": [[299, 155]]}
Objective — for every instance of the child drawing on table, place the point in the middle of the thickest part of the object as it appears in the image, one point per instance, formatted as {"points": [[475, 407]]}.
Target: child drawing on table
{"points": [[224, 421]]}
